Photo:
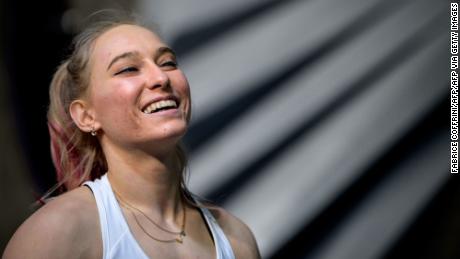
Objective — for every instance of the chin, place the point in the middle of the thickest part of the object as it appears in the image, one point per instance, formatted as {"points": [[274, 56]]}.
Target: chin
{"points": [[173, 131]]}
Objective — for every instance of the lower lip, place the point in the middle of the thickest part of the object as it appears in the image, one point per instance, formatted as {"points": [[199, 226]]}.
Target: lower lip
{"points": [[169, 112]]}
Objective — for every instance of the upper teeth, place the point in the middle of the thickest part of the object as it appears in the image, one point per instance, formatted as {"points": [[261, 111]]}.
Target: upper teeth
{"points": [[160, 104]]}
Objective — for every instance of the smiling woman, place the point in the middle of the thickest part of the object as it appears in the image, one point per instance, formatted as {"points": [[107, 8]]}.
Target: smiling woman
{"points": [[119, 107]]}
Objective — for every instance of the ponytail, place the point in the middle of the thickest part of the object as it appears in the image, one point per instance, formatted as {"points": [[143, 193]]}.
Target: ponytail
{"points": [[76, 156]]}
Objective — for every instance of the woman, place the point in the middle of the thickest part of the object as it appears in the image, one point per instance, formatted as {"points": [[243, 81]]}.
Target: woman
{"points": [[119, 106]]}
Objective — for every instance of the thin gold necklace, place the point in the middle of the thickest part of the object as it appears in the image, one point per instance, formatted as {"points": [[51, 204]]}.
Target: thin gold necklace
{"points": [[181, 234]]}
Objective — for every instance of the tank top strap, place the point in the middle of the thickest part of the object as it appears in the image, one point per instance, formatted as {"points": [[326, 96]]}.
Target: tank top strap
{"points": [[117, 239], [223, 248]]}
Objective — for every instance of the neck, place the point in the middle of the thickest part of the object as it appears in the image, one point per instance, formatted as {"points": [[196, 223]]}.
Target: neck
{"points": [[148, 182]]}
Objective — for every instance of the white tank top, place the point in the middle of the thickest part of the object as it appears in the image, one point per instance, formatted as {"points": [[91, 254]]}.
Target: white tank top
{"points": [[117, 239]]}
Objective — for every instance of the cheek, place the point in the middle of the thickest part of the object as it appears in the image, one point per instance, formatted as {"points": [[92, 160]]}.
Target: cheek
{"points": [[187, 108], [181, 86], [185, 92], [115, 105]]}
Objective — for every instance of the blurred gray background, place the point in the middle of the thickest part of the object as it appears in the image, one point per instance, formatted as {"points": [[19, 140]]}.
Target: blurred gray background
{"points": [[323, 124]]}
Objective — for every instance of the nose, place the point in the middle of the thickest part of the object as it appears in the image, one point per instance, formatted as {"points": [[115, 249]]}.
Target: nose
{"points": [[156, 77]]}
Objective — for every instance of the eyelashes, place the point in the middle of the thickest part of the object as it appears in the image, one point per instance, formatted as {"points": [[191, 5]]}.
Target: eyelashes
{"points": [[168, 65], [127, 70]]}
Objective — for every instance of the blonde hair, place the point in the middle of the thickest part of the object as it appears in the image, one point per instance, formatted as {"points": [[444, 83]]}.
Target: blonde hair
{"points": [[77, 156]]}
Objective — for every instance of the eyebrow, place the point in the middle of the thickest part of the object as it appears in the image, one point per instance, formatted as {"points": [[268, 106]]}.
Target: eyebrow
{"points": [[163, 50], [132, 54]]}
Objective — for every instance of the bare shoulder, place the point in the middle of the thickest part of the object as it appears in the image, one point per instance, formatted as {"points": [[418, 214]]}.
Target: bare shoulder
{"points": [[66, 227], [239, 234]]}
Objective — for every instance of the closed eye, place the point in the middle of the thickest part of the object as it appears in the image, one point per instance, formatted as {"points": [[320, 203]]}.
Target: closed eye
{"points": [[127, 70], [170, 63]]}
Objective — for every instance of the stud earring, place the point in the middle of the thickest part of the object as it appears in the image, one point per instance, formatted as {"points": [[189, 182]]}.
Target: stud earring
{"points": [[93, 132]]}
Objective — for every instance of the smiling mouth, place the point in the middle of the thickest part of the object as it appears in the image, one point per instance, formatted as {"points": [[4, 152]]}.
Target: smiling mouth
{"points": [[160, 106]]}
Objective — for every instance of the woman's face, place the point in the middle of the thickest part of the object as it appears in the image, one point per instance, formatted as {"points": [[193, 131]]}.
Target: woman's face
{"points": [[137, 93]]}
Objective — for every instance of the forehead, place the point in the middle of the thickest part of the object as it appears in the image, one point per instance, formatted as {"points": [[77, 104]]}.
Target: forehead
{"points": [[123, 38]]}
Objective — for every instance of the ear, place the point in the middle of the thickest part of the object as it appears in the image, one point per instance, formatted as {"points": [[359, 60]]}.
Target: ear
{"points": [[83, 116]]}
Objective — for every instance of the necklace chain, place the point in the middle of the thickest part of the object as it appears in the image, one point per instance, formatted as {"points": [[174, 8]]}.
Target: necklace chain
{"points": [[181, 234]]}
